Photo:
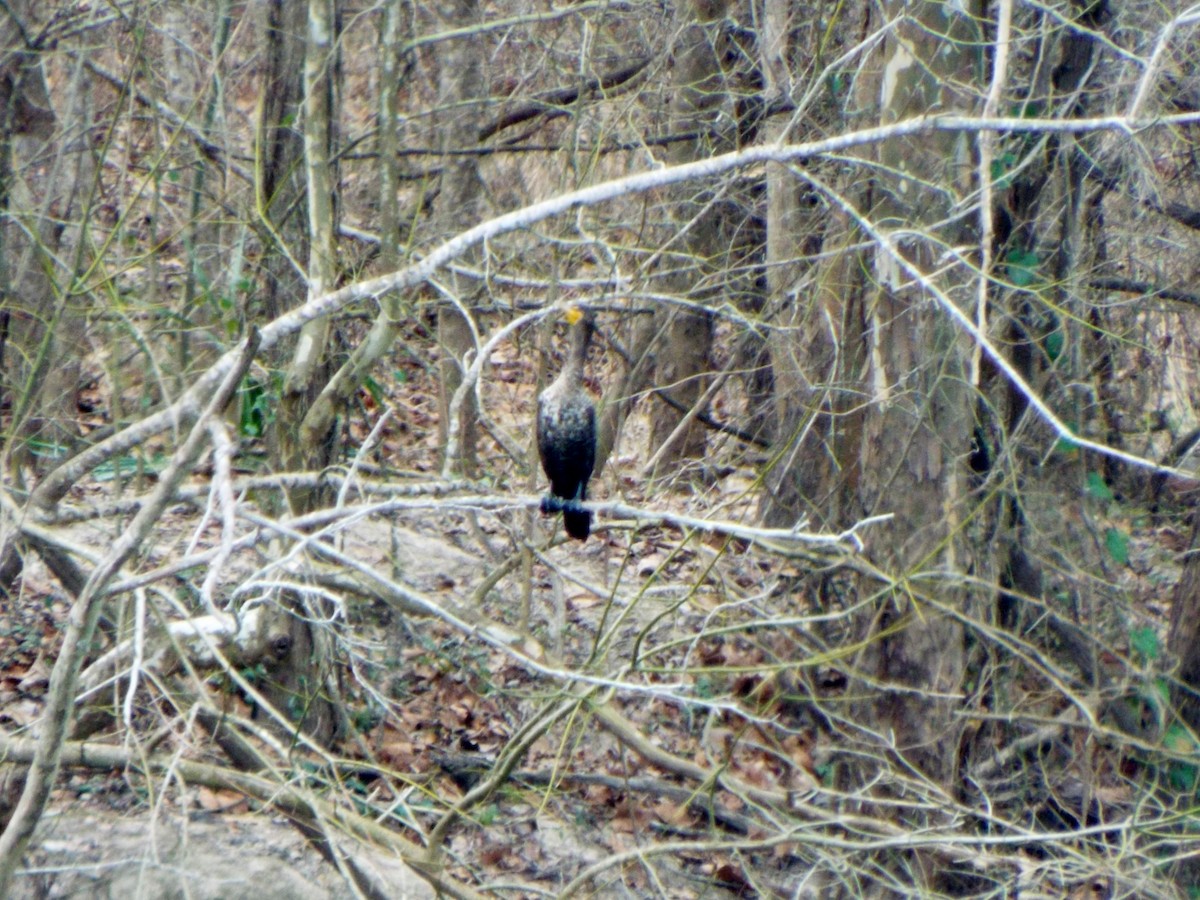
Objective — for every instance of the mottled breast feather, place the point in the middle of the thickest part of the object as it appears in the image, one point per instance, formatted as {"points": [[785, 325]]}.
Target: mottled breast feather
{"points": [[566, 433]]}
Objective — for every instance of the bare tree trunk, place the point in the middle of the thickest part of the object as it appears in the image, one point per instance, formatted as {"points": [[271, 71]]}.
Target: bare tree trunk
{"points": [[297, 199], [461, 86], [300, 449], [875, 406], [684, 335], [304, 685], [395, 27], [1184, 637], [916, 431], [41, 327], [322, 414], [279, 175], [1183, 641], [813, 347], [41, 315], [209, 275]]}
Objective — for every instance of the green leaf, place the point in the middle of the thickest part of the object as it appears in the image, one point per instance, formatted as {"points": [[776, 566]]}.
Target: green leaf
{"points": [[46, 449], [1177, 740], [257, 409], [123, 467], [375, 390], [1028, 109], [1022, 267], [1066, 446], [1053, 344], [1143, 642], [1117, 543], [1163, 689], [1001, 167], [1097, 488], [1180, 775]]}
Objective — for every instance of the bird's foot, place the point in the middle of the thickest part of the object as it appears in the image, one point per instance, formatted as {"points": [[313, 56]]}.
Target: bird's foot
{"points": [[550, 505]]}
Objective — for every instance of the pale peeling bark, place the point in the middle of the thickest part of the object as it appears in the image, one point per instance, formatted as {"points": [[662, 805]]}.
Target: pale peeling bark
{"points": [[304, 439], [917, 429]]}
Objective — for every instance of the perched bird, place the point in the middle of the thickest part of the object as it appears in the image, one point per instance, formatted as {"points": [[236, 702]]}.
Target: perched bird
{"points": [[566, 432]]}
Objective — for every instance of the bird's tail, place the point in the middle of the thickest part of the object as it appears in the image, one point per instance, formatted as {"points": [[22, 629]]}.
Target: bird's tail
{"points": [[578, 523]]}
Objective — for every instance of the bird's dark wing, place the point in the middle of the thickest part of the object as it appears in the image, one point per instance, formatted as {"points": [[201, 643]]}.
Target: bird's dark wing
{"points": [[566, 433]]}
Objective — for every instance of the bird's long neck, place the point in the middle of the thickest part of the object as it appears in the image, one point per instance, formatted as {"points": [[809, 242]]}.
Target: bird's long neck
{"points": [[581, 339]]}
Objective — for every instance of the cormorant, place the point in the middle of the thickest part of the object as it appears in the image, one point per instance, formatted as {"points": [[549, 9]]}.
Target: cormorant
{"points": [[566, 432]]}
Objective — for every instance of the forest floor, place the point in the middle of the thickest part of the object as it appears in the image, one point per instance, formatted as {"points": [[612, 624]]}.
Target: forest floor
{"points": [[452, 703], [437, 706]]}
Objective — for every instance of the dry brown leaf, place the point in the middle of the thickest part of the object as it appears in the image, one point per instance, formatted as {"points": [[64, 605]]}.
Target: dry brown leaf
{"points": [[398, 754], [219, 800], [36, 678], [672, 813], [21, 713]]}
